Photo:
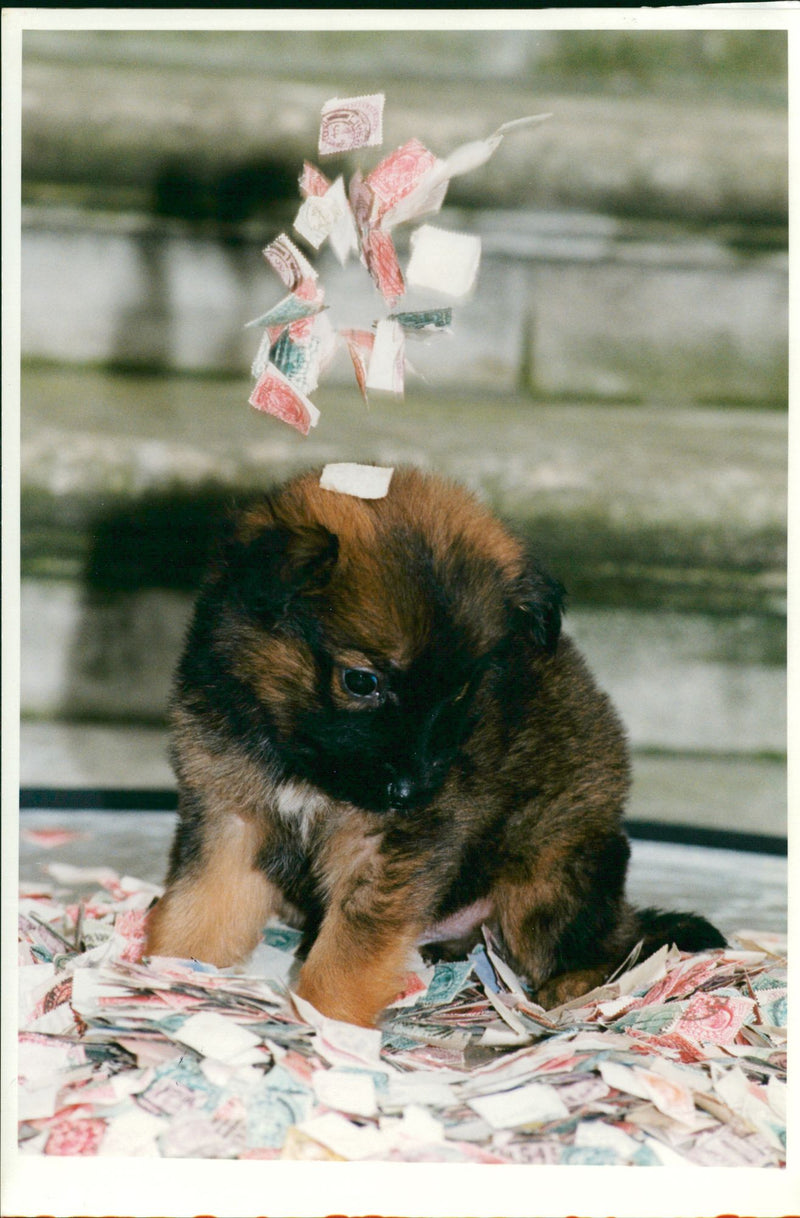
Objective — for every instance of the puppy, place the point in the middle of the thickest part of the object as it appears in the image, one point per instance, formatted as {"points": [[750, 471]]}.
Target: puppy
{"points": [[380, 733]]}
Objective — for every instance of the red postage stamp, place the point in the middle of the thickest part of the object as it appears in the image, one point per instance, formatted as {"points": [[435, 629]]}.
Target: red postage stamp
{"points": [[275, 395], [313, 181], [398, 174], [383, 266]]}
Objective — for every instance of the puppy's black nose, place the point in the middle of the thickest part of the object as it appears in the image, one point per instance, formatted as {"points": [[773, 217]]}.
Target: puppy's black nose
{"points": [[401, 792]]}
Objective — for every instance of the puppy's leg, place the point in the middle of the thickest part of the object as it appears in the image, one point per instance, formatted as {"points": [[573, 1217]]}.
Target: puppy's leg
{"points": [[352, 975], [374, 915], [567, 923], [217, 899]]}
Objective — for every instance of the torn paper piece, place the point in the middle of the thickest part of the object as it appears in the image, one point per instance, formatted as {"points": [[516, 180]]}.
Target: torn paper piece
{"points": [[533, 1104], [275, 395], [422, 1087], [343, 1137], [360, 344], [415, 1126], [292, 308], [66, 873], [443, 261], [36, 1103], [449, 977], [342, 1044], [262, 355], [643, 976], [289, 263], [424, 200], [361, 203], [343, 233], [397, 175], [213, 1035], [714, 1018], [381, 260], [75, 1135], [362, 481], [351, 122], [133, 1133], [312, 181], [326, 340], [49, 839], [387, 361], [298, 361], [350, 1091], [475, 153], [429, 193], [328, 215], [671, 1097], [503, 971], [425, 321], [268, 961]]}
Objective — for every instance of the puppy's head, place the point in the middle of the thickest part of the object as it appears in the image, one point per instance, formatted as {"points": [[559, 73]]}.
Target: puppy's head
{"points": [[364, 629]]}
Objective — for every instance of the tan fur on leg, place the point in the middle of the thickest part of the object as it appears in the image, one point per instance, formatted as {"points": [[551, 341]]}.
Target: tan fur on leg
{"points": [[218, 913], [348, 978]]}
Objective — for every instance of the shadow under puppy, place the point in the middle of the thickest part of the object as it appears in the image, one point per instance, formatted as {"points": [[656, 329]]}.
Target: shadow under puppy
{"points": [[380, 733]]}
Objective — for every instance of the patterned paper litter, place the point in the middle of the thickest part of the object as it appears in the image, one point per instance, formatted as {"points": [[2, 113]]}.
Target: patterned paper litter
{"points": [[681, 1060], [359, 219]]}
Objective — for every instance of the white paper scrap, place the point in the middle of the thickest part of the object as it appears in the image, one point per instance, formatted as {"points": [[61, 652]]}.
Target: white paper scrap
{"points": [[443, 261], [362, 481], [415, 1125], [133, 1133], [329, 215], [36, 1103], [387, 360], [624, 1078], [340, 1043], [271, 962], [351, 1091], [534, 1103], [420, 1088], [643, 975], [215, 1036], [343, 1137], [67, 873]]}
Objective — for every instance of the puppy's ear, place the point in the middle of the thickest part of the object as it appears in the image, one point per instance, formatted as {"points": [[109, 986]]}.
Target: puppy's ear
{"points": [[268, 572], [537, 606]]}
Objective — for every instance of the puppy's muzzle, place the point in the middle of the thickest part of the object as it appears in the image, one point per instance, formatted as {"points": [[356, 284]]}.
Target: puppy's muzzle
{"points": [[408, 790]]}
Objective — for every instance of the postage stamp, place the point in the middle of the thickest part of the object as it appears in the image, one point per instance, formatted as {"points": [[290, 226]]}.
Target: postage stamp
{"points": [[351, 122]]}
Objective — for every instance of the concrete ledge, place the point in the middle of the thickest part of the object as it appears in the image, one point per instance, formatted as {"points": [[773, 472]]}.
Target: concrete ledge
{"points": [[128, 125], [566, 305], [122, 478]]}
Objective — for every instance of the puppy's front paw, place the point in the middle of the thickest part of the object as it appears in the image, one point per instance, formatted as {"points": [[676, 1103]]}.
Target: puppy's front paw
{"points": [[568, 986], [335, 1003]]}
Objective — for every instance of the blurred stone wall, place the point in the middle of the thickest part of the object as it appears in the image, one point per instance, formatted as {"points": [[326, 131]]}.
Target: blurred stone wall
{"points": [[634, 247]]}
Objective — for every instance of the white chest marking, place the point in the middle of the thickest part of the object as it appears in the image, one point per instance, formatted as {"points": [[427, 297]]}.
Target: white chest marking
{"points": [[298, 804]]}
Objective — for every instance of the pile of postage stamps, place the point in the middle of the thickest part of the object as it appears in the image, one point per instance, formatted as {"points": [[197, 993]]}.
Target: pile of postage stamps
{"points": [[680, 1059]]}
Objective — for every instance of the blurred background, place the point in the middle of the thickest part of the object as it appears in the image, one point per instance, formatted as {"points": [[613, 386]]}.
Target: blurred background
{"points": [[617, 386]]}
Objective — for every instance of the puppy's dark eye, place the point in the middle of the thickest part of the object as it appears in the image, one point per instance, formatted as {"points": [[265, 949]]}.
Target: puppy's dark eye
{"points": [[360, 682]]}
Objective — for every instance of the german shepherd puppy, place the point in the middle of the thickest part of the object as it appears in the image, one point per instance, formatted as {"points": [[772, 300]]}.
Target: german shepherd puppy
{"points": [[380, 733]]}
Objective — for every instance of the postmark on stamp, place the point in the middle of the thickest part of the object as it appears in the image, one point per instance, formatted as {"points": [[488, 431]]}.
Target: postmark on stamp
{"points": [[351, 122]]}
